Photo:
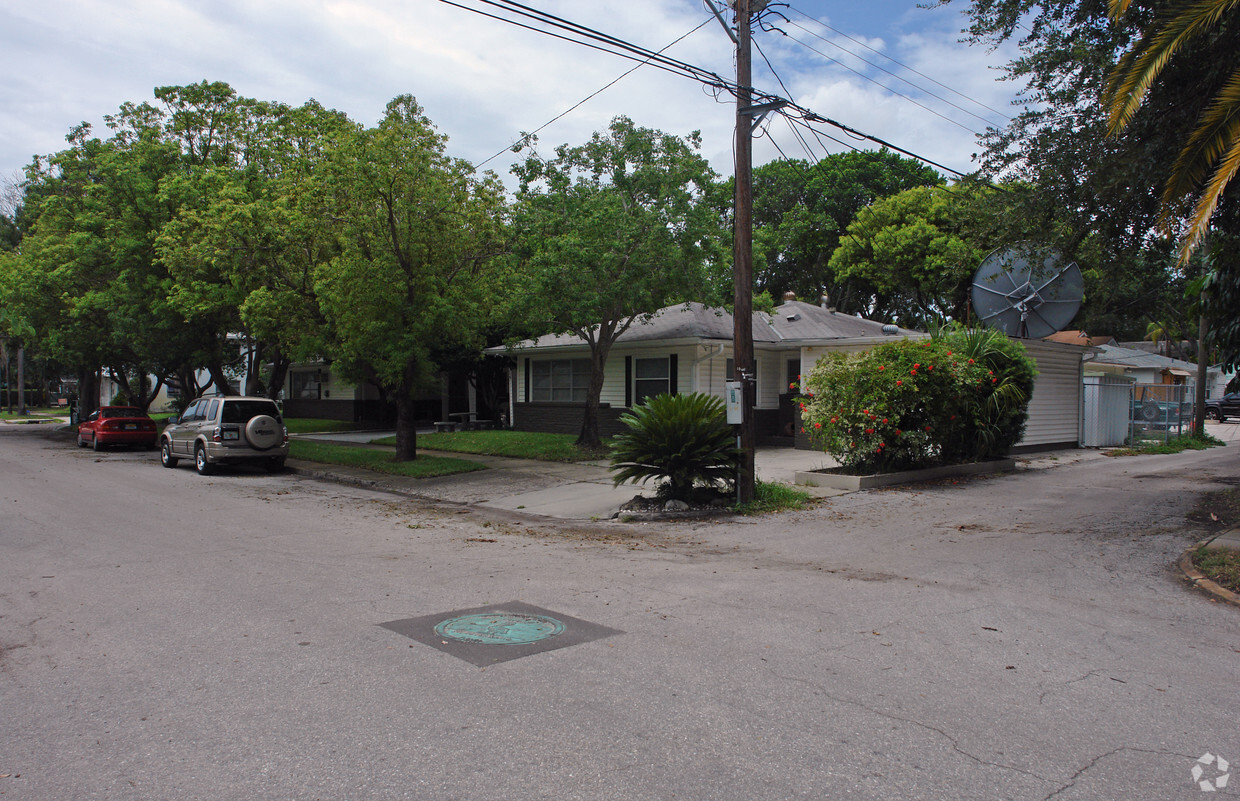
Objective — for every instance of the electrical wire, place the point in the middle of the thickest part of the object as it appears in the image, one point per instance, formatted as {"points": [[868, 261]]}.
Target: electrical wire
{"points": [[525, 138], [899, 63], [710, 79], [879, 84]]}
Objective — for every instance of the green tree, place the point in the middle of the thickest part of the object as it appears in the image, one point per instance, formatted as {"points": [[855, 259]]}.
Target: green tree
{"points": [[800, 210], [1210, 156], [610, 232], [1099, 194], [417, 235], [913, 254], [252, 227]]}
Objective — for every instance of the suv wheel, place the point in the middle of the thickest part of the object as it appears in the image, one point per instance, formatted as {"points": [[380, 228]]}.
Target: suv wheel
{"points": [[200, 461], [275, 465], [165, 454], [1214, 414]]}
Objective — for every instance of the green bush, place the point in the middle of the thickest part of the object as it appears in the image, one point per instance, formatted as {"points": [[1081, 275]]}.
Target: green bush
{"points": [[958, 397], [684, 441]]}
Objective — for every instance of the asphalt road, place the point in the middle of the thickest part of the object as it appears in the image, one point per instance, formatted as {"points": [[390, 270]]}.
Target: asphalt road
{"points": [[168, 636]]}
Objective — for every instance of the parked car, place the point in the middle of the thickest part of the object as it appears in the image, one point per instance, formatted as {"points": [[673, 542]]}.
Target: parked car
{"points": [[226, 430], [1160, 414], [117, 425], [1222, 408]]}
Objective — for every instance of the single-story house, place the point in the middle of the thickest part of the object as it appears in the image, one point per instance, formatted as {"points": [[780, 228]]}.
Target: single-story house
{"points": [[688, 348], [1143, 367]]}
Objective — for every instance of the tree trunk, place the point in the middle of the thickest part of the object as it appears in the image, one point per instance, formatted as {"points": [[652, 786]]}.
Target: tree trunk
{"points": [[589, 438], [21, 380], [222, 385], [406, 428], [279, 373], [88, 393]]}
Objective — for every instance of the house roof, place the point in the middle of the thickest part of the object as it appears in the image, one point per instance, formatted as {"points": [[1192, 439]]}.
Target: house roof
{"points": [[793, 323], [1079, 338], [1134, 359]]}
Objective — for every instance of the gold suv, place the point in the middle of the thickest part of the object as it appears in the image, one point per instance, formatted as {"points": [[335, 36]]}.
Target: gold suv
{"points": [[226, 430]]}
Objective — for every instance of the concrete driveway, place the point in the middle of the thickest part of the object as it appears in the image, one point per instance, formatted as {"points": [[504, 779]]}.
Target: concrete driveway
{"points": [[169, 636]]}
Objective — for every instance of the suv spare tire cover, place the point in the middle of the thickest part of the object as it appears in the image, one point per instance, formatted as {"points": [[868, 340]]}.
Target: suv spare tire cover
{"points": [[1150, 411], [263, 432]]}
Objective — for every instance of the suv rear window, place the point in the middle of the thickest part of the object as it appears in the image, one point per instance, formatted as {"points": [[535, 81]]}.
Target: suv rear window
{"points": [[244, 411]]}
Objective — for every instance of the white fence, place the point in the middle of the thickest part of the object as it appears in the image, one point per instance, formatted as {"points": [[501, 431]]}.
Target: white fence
{"points": [[1118, 412]]}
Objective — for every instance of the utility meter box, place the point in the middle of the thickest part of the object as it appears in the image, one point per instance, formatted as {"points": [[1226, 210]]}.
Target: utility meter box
{"points": [[735, 402]]}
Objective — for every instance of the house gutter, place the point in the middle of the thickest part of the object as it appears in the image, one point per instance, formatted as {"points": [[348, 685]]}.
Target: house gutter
{"points": [[705, 358]]}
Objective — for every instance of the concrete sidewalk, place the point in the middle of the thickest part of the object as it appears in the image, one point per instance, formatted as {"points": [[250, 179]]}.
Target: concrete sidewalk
{"points": [[568, 490]]}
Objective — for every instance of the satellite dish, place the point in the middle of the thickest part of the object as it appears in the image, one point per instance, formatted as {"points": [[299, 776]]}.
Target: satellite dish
{"points": [[1027, 291]]}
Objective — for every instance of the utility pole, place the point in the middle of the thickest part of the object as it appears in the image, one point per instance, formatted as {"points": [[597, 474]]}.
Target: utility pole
{"points": [[742, 266]]}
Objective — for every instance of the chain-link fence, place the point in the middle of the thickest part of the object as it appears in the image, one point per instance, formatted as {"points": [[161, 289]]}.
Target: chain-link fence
{"points": [[1118, 412]]}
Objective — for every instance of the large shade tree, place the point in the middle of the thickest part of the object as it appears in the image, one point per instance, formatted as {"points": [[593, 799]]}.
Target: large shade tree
{"points": [[800, 210], [610, 232], [417, 236]]}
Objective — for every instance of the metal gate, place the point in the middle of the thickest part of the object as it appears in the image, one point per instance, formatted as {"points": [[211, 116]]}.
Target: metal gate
{"points": [[1118, 412]]}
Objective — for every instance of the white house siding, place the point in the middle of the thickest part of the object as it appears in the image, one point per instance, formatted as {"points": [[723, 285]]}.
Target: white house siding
{"points": [[614, 388], [711, 372], [1055, 406]]}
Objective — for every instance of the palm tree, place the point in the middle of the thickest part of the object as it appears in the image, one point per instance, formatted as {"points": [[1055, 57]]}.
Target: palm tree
{"points": [[1211, 156]]}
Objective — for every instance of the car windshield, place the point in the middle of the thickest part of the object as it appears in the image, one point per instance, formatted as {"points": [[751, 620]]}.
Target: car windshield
{"points": [[120, 411], [243, 411]]}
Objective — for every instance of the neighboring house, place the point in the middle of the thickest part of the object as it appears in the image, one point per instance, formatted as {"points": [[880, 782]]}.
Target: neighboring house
{"points": [[1143, 367], [688, 348], [313, 390]]}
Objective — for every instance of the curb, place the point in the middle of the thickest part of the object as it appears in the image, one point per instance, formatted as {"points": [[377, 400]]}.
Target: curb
{"points": [[1197, 579]]}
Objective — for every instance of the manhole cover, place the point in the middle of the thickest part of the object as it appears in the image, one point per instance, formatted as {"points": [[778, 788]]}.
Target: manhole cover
{"points": [[500, 628], [491, 634]]}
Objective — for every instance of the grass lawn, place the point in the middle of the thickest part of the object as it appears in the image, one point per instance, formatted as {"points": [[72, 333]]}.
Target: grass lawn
{"points": [[314, 425], [774, 497], [379, 461], [1184, 442], [517, 444], [34, 414], [1221, 567]]}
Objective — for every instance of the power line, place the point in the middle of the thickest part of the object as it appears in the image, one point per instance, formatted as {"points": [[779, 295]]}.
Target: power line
{"points": [[879, 84], [634, 52], [898, 62], [588, 98]]}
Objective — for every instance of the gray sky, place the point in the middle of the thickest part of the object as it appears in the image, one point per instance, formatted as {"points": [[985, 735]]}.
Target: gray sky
{"points": [[483, 81]]}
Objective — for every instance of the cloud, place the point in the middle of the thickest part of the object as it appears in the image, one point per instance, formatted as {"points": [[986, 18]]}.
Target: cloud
{"points": [[482, 81]]}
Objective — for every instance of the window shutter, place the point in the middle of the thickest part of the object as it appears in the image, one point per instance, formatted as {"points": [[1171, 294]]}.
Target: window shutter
{"points": [[628, 382], [527, 380], [671, 377]]}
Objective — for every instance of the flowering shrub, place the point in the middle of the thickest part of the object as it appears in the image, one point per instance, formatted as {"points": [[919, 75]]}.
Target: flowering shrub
{"points": [[907, 404]]}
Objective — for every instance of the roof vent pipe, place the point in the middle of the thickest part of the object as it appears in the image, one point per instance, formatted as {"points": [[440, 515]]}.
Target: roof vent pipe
{"points": [[789, 296], [823, 300], [890, 329]]}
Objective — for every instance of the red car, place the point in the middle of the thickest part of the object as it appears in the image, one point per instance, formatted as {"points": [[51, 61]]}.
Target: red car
{"points": [[118, 425]]}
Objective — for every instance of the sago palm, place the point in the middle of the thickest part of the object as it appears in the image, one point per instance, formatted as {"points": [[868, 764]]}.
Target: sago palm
{"points": [[1211, 156], [684, 441]]}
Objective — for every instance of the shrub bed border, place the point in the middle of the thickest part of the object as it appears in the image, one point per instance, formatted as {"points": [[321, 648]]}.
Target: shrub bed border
{"points": [[834, 480]]}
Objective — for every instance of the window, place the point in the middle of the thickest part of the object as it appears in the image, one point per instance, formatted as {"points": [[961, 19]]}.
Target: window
{"points": [[560, 380], [651, 377], [306, 385]]}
